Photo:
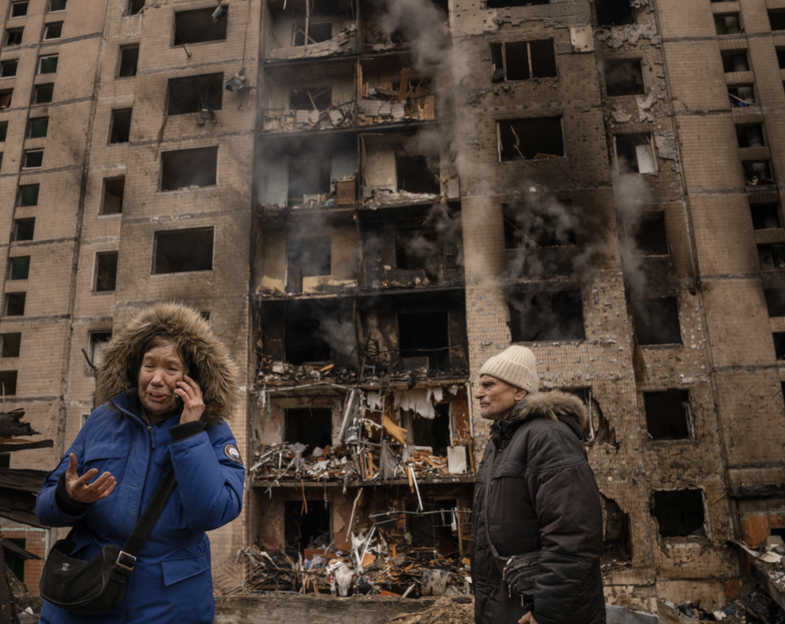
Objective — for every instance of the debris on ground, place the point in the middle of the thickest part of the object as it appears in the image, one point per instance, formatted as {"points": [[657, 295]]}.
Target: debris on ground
{"points": [[443, 611]]}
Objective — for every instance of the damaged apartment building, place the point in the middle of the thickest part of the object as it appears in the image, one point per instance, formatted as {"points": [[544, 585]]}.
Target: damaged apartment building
{"points": [[369, 198]]}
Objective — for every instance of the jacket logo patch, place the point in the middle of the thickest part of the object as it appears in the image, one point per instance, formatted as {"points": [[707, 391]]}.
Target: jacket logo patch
{"points": [[230, 450]]}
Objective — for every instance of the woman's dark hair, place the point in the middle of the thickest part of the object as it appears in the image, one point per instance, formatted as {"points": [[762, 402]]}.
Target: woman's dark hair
{"points": [[159, 340]]}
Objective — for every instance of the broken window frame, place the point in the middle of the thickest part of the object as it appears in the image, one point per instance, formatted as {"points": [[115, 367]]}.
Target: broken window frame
{"points": [[503, 54], [739, 28], [107, 282], [213, 103], [53, 26], [639, 228], [764, 166], [115, 137], [771, 256], [97, 341], [736, 101], [303, 27], [130, 5], [765, 221], [521, 157], [515, 330], [704, 526], [8, 383], [6, 98], [642, 330], [743, 136], [33, 153], [47, 59], [177, 35], [119, 72], [103, 203], [688, 414], [629, 19], [727, 60], [651, 145], [11, 36]]}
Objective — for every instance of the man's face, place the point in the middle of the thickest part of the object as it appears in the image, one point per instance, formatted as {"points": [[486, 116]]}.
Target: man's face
{"points": [[497, 398]]}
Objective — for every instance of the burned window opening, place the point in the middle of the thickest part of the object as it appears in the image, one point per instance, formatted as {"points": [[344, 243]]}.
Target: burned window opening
{"points": [[545, 224], [771, 257], [634, 153], [96, 345], [183, 251], [28, 195], [15, 304], [735, 61], [19, 268], [193, 94], [614, 13], [198, 26], [24, 229], [668, 414], [728, 24], [418, 250], [624, 78], [757, 173], [424, 340], [306, 526], [112, 199], [777, 19], [750, 135], [183, 169], [543, 316], [679, 513], [765, 216], [309, 426], [308, 180], [105, 271], [501, 4], [42, 94], [532, 138], [317, 32], [8, 383], [523, 60], [134, 7], [650, 235], [307, 257], [37, 128], [120, 131], [314, 98], [14, 36], [414, 174], [8, 68], [656, 320], [129, 59], [53, 30], [12, 345], [617, 534], [779, 345]]}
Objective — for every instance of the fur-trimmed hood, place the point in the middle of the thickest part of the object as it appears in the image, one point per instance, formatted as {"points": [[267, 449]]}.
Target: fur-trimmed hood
{"points": [[555, 405], [207, 356]]}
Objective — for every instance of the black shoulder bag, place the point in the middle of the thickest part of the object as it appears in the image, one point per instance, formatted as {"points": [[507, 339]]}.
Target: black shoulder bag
{"points": [[97, 586], [519, 571]]}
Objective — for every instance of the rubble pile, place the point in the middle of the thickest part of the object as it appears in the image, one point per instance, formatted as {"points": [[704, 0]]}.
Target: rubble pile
{"points": [[370, 567], [443, 611], [281, 120], [409, 100]]}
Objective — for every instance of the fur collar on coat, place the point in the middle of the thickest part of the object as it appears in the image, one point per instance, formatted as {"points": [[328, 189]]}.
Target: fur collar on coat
{"points": [[555, 405], [214, 368]]}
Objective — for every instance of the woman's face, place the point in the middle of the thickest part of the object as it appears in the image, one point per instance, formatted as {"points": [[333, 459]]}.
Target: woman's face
{"points": [[161, 369]]}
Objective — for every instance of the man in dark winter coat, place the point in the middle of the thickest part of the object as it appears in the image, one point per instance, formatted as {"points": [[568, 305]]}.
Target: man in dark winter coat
{"points": [[542, 497]]}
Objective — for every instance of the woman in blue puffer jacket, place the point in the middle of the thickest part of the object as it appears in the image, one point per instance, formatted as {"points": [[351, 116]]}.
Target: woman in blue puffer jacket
{"points": [[165, 387]]}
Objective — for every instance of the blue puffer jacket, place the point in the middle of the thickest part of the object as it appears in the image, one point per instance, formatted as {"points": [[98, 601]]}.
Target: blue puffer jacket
{"points": [[172, 580]]}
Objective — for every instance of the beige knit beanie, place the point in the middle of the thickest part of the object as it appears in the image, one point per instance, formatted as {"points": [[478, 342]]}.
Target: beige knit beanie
{"points": [[515, 365]]}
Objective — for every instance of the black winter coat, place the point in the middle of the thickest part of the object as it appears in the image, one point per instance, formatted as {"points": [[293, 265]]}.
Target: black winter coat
{"points": [[542, 495]]}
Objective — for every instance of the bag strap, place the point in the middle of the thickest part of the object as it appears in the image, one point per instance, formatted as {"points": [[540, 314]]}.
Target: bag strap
{"points": [[127, 558]]}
